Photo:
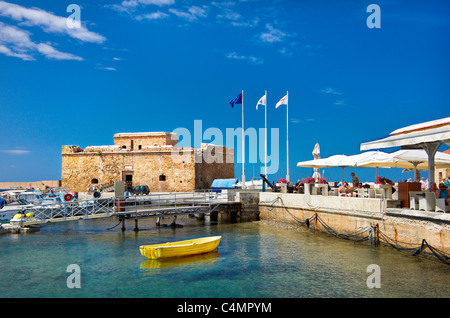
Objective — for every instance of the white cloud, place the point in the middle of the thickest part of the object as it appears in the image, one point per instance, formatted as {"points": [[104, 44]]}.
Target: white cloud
{"points": [[16, 151], [157, 2], [51, 53], [285, 52], [193, 13], [16, 42], [106, 68], [47, 21], [340, 103], [152, 16], [330, 90], [134, 3], [235, 56], [130, 5], [272, 35], [7, 51], [227, 13]]}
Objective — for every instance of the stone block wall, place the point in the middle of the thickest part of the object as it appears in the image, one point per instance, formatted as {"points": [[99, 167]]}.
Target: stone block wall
{"points": [[164, 167]]}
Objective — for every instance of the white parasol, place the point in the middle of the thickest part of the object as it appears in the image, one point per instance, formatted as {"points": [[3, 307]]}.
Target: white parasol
{"points": [[316, 153]]}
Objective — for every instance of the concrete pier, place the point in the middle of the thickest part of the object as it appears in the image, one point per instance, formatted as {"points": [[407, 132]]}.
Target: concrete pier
{"points": [[343, 214]]}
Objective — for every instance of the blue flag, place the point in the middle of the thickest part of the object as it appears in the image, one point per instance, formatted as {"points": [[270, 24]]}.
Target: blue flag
{"points": [[236, 100]]}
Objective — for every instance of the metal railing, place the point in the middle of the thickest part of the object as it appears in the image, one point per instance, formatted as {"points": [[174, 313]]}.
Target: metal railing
{"points": [[144, 205], [158, 201], [64, 210]]}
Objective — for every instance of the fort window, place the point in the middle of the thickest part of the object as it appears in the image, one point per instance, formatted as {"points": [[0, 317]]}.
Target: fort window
{"points": [[124, 147], [94, 181], [140, 147], [162, 178]]}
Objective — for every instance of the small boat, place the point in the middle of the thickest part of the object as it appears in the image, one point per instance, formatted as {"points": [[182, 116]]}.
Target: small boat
{"points": [[180, 248], [11, 209], [22, 217]]}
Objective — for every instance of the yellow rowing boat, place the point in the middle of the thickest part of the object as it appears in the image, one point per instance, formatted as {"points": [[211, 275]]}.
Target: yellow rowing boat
{"points": [[180, 248]]}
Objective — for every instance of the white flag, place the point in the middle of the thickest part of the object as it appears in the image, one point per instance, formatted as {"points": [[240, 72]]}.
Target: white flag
{"points": [[262, 101], [282, 101]]}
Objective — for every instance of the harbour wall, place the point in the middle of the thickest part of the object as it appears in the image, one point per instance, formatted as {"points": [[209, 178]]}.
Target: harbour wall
{"points": [[33, 184], [346, 215]]}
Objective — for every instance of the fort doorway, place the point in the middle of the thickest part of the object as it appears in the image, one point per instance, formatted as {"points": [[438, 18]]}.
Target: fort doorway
{"points": [[127, 176]]}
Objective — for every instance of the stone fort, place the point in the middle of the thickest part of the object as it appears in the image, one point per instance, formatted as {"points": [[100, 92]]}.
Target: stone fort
{"points": [[151, 159]]}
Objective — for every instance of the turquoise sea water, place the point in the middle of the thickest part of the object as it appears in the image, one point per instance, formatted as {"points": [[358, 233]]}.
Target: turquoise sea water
{"points": [[253, 260]]}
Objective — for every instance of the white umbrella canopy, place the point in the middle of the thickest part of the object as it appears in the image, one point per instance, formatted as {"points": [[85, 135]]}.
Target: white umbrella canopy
{"points": [[407, 158], [332, 161], [337, 161]]}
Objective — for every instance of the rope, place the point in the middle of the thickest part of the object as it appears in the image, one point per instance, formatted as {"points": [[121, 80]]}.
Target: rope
{"points": [[115, 225], [361, 234]]}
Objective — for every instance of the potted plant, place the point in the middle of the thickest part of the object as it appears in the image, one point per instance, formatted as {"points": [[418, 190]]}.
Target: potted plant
{"points": [[386, 184], [283, 184], [383, 180]]}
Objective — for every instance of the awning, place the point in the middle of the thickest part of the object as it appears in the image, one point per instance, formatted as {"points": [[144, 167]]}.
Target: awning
{"points": [[414, 135], [224, 184], [428, 136]]}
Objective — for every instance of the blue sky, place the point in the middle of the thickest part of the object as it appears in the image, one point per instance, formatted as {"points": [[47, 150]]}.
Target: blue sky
{"points": [[157, 65]]}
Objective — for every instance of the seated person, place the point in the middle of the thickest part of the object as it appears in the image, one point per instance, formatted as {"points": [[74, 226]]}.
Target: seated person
{"points": [[344, 190], [443, 193], [434, 188]]}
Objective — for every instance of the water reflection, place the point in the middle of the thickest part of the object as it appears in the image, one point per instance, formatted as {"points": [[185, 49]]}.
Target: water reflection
{"points": [[149, 265]]}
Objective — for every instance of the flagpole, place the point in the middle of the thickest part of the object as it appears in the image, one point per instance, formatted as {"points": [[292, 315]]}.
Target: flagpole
{"points": [[243, 144], [287, 135], [265, 137]]}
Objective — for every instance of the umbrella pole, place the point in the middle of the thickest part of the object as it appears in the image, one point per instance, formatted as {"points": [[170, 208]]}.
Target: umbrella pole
{"points": [[343, 174], [431, 151]]}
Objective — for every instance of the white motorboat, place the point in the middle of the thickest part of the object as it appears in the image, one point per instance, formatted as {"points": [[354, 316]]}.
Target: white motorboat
{"points": [[34, 197], [11, 209]]}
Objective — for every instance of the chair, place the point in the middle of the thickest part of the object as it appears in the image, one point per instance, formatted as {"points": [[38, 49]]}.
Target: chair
{"points": [[441, 206], [414, 200], [379, 193], [371, 193], [428, 203], [362, 193]]}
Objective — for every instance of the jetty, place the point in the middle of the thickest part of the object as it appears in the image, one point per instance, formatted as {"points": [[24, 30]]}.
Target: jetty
{"points": [[155, 205]]}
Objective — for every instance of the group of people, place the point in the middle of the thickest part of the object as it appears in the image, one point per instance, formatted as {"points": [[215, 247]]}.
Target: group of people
{"points": [[90, 190], [345, 191], [443, 191]]}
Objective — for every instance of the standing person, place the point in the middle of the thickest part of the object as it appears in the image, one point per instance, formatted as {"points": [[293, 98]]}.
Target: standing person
{"points": [[355, 180], [424, 184], [447, 182]]}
